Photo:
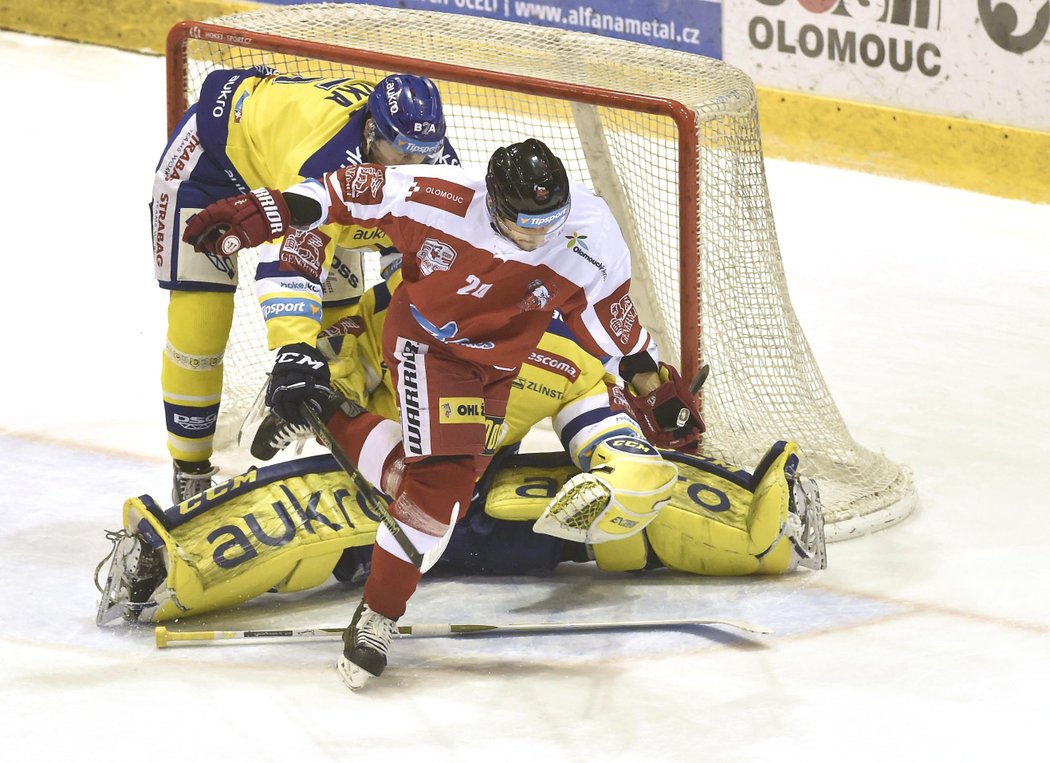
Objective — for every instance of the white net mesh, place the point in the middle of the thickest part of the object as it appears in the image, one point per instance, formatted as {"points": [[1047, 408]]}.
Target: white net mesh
{"points": [[764, 384]]}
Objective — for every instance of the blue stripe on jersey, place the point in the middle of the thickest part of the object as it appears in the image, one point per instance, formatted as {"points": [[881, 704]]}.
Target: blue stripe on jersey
{"points": [[344, 148], [558, 328], [382, 293], [273, 270], [213, 117]]}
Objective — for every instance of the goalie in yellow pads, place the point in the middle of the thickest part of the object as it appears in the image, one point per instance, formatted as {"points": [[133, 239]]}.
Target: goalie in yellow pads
{"points": [[610, 497]]}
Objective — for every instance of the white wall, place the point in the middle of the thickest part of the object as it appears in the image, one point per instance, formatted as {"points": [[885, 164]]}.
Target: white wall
{"points": [[983, 60]]}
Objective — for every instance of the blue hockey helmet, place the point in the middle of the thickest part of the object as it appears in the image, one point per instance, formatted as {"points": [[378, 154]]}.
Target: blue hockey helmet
{"points": [[407, 113]]}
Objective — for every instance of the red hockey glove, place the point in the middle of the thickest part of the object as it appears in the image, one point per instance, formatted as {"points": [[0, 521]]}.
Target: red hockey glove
{"points": [[669, 415], [239, 222]]}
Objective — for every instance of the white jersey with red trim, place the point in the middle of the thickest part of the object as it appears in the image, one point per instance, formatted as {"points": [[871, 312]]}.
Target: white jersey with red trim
{"points": [[472, 289]]}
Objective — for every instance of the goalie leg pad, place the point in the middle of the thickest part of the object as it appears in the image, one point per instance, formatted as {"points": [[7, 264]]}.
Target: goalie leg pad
{"points": [[627, 486], [724, 521], [280, 528], [624, 555]]}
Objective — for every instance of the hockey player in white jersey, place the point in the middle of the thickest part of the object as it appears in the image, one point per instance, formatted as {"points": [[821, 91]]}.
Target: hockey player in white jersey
{"points": [[486, 265]]}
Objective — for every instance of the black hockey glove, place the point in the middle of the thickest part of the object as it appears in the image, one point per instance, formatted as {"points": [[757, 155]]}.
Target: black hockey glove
{"points": [[300, 375]]}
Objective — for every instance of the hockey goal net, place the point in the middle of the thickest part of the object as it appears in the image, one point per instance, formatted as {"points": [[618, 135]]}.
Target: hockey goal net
{"points": [[670, 140]]}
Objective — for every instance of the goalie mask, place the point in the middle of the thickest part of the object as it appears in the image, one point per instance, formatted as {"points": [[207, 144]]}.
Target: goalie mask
{"points": [[406, 113], [528, 193]]}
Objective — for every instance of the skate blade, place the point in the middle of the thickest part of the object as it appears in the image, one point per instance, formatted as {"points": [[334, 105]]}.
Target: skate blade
{"points": [[115, 593], [353, 676]]}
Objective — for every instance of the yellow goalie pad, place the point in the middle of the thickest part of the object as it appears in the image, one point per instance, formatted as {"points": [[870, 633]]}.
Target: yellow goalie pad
{"points": [[724, 521], [281, 528], [720, 519]]}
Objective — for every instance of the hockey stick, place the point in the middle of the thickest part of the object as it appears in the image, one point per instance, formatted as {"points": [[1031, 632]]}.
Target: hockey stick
{"points": [[700, 378], [375, 502], [165, 638]]}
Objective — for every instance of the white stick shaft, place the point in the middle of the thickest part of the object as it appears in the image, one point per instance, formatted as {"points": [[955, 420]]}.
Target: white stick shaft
{"points": [[165, 638]]}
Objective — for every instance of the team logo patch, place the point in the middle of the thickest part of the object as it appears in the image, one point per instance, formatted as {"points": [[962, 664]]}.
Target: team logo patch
{"points": [[363, 184], [441, 194], [302, 251], [461, 410], [435, 255], [537, 296]]}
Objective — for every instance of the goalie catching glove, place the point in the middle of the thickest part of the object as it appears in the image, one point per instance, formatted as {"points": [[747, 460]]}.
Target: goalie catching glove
{"points": [[623, 492], [669, 415], [239, 222]]}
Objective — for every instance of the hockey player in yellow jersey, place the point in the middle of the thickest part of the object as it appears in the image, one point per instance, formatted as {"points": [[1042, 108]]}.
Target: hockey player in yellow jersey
{"points": [[290, 526], [255, 128]]}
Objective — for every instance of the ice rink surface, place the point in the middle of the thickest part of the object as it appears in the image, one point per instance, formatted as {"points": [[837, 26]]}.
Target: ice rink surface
{"points": [[928, 310]]}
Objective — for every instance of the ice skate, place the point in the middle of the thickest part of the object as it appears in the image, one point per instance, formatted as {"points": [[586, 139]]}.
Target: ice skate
{"points": [[365, 644], [136, 570], [190, 478], [275, 434], [806, 524]]}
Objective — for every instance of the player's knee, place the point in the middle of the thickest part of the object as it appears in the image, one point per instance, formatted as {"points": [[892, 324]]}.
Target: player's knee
{"points": [[199, 321], [436, 483]]}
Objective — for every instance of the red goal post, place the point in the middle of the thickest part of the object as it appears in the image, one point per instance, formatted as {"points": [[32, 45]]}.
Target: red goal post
{"points": [[670, 140]]}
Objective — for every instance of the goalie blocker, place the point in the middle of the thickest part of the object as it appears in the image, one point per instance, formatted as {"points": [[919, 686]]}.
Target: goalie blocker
{"points": [[290, 526]]}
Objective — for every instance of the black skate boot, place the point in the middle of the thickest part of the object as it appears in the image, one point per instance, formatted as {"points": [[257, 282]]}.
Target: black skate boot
{"points": [[365, 644], [275, 434]]}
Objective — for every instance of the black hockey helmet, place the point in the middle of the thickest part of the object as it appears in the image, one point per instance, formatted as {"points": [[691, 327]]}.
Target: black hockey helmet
{"points": [[528, 185]]}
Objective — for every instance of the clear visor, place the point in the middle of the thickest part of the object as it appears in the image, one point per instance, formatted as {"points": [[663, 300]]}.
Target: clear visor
{"points": [[402, 149]]}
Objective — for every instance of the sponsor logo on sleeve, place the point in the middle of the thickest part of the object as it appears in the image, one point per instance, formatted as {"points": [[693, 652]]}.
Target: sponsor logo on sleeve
{"points": [[282, 307], [180, 156], [218, 109], [363, 184], [350, 325], [441, 194], [302, 251], [577, 244], [618, 315]]}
